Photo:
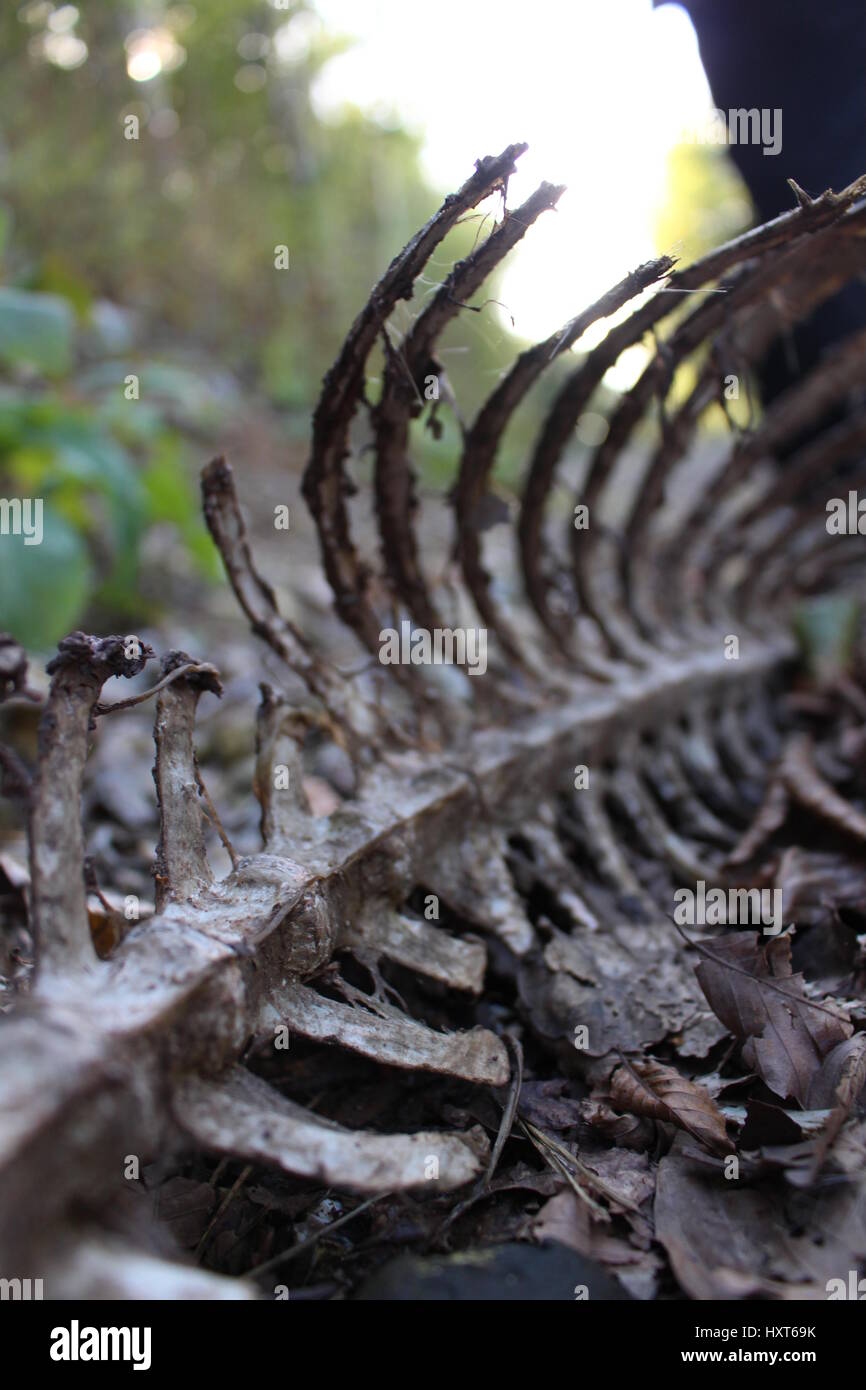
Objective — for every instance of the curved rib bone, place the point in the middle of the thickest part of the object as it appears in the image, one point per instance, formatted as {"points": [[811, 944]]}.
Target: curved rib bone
{"points": [[245, 1117], [324, 480]]}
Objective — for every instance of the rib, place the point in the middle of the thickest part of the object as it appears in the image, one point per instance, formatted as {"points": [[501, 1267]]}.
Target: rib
{"points": [[405, 368], [324, 480], [387, 1036], [482, 440], [242, 1115]]}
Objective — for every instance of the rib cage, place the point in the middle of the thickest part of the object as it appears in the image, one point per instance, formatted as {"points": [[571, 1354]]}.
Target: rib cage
{"points": [[617, 663]]}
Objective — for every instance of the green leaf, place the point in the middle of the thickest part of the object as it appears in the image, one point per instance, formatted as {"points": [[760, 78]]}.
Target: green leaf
{"points": [[173, 498], [58, 278], [36, 330], [44, 588], [169, 491], [179, 392], [204, 553]]}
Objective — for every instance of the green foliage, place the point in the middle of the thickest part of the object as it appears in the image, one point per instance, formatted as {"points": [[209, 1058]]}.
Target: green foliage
{"points": [[182, 222], [179, 225], [44, 588], [105, 467], [35, 331]]}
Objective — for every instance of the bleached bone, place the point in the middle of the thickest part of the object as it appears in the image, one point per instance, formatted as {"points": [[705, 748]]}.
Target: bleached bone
{"points": [[474, 880], [183, 984], [182, 869], [244, 1116], [420, 946], [58, 901], [279, 734], [99, 1268], [386, 1035]]}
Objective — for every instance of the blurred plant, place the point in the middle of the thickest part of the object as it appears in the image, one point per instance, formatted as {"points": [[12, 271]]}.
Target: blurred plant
{"points": [[182, 145], [155, 156], [105, 464]]}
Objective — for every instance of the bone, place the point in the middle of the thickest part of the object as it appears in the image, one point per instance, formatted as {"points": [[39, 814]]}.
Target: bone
{"points": [[420, 946], [116, 1054], [243, 1116], [324, 479], [386, 1035], [182, 869], [474, 879], [102, 1268], [482, 440], [279, 737], [58, 909]]}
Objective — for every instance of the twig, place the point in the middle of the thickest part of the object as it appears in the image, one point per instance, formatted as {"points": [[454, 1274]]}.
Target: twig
{"points": [[506, 1125], [223, 1207], [305, 1245], [510, 1109], [214, 816], [592, 1178], [202, 668], [542, 1143]]}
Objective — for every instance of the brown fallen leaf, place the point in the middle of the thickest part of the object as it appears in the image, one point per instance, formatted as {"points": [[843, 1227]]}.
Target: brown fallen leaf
{"points": [[649, 1088], [750, 986], [726, 1239], [631, 985], [548, 1104], [842, 1076], [185, 1206], [839, 1084], [797, 779], [568, 1221], [626, 1131], [768, 1124]]}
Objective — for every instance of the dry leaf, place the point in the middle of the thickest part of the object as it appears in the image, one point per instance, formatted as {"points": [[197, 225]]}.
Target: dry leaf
{"points": [[750, 987], [839, 1083], [726, 1240], [648, 1088], [568, 1221]]}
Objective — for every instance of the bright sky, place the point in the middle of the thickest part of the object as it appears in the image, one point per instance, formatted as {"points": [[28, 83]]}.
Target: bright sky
{"points": [[601, 90]]}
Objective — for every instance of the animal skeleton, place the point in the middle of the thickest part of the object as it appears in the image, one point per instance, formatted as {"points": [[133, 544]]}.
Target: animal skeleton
{"points": [[621, 649]]}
